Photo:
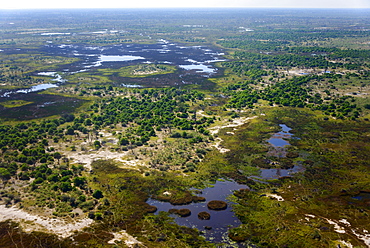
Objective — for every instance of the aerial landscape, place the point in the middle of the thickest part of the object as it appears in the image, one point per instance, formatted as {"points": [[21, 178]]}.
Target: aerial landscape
{"points": [[177, 127]]}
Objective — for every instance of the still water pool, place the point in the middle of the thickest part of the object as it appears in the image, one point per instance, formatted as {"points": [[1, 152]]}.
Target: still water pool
{"points": [[220, 221]]}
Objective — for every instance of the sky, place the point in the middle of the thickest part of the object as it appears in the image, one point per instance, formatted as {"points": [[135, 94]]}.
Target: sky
{"points": [[37, 4]]}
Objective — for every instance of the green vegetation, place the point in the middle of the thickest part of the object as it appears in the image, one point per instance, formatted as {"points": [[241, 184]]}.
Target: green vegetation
{"points": [[96, 147], [14, 103]]}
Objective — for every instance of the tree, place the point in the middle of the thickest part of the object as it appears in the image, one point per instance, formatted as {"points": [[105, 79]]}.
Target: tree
{"points": [[97, 144], [79, 181], [57, 155], [4, 174], [98, 194], [65, 186]]}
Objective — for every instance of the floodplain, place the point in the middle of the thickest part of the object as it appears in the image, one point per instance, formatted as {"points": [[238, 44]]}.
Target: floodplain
{"points": [[185, 128]]}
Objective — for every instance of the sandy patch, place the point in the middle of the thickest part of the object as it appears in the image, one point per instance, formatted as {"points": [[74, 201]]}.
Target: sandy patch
{"points": [[345, 244], [235, 123], [201, 113], [30, 222], [87, 159], [364, 236], [337, 227], [217, 145], [275, 196], [129, 240]]}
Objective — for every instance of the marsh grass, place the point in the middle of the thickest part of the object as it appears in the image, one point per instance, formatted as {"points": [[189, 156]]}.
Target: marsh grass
{"points": [[14, 103]]}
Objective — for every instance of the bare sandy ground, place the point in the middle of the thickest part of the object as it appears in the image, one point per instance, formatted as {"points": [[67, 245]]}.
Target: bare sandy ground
{"points": [[88, 158], [235, 123], [30, 222], [343, 226], [129, 240]]}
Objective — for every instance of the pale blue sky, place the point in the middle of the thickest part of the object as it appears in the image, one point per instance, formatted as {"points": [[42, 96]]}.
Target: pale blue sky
{"points": [[36, 4]]}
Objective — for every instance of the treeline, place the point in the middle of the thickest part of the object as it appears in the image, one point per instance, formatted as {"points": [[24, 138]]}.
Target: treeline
{"points": [[255, 65], [284, 37]]}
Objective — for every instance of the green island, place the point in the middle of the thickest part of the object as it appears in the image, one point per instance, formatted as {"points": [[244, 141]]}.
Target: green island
{"points": [[273, 101]]}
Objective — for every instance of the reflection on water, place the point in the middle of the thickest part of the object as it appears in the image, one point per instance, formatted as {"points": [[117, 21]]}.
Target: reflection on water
{"points": [[277, 140], [362, 196], [197, 58], [199, 68], [39, 87], [220, 221], [58, 77], [276, 173], [278, 149], [114, 58]]}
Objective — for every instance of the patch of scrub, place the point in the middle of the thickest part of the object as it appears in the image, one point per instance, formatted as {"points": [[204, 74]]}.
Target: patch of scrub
{"points": [[217, 145], [214, 130]]}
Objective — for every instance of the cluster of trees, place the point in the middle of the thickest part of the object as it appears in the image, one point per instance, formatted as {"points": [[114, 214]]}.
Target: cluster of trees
{"points": [[142, 114], [147, 112], [28, 142], [285, 60], [295, 93]]}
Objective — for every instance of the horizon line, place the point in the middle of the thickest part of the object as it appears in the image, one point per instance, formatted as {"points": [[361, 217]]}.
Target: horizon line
{"points": [[179, 8]]}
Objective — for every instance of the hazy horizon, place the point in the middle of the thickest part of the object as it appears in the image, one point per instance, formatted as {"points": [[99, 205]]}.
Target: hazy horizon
{"points": [[160, 4]]}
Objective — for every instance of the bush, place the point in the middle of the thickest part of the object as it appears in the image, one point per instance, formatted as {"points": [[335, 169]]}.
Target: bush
{"points": [[98, 194]]}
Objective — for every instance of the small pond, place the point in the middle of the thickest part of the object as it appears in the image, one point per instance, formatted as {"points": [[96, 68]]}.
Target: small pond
{"points": [[220, 221], [363, 196], [278, 139], [278, 142], [276, 173]]}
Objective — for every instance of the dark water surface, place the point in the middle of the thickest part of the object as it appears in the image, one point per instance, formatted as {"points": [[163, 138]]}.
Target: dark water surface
{"points": [[220, 221], [278, 139], [197, 59], [278, 142]]}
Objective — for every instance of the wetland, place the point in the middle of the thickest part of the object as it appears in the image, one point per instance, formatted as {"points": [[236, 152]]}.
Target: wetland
{"points": [[177, 128]]}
